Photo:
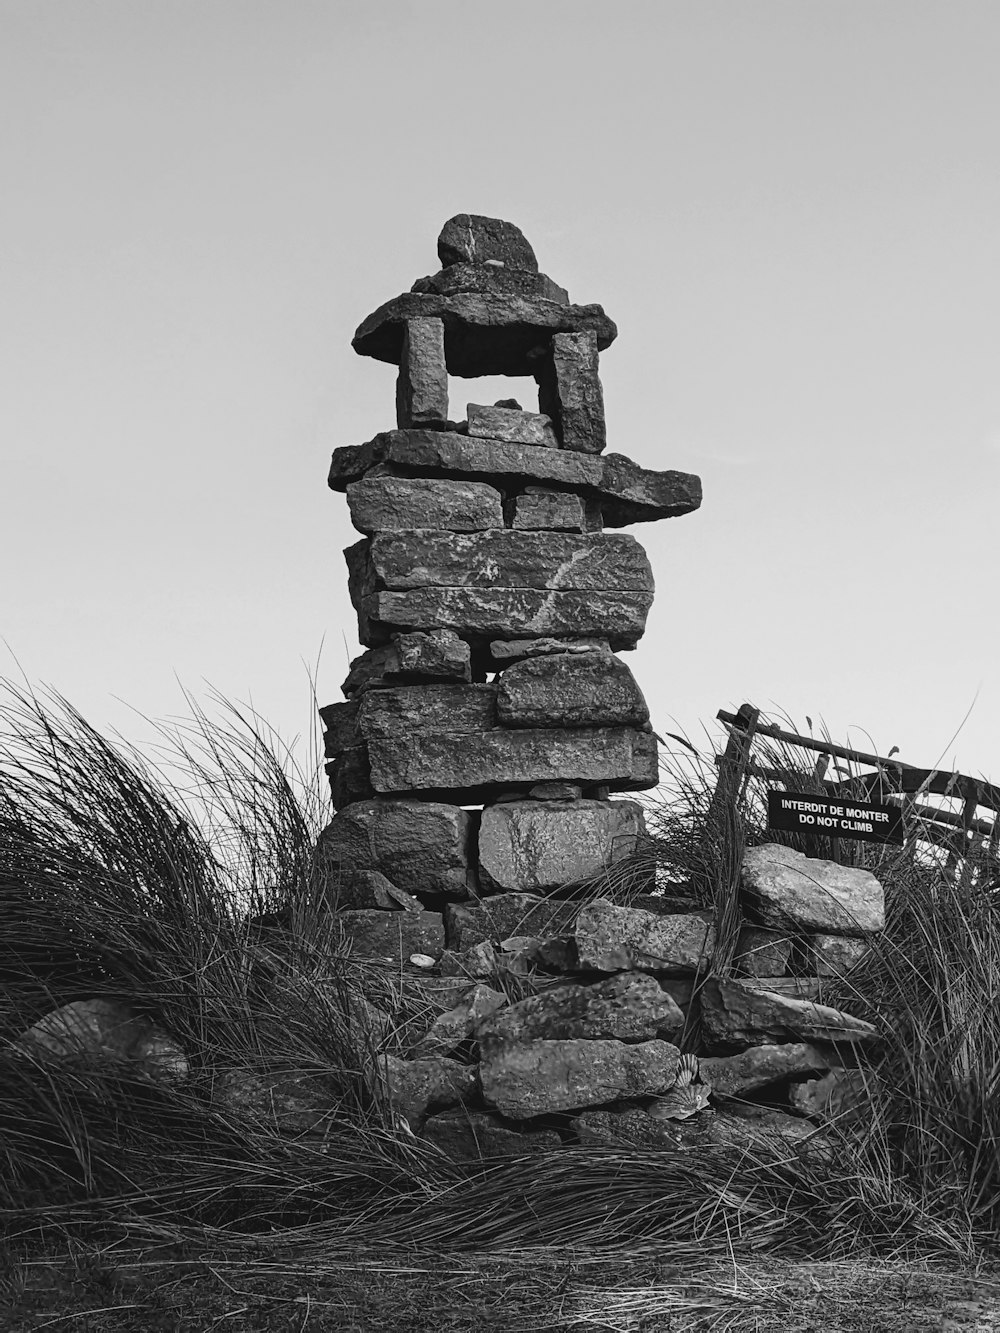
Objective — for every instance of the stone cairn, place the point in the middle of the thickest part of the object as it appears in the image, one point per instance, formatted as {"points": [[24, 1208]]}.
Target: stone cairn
{"points": [[492, 602]]}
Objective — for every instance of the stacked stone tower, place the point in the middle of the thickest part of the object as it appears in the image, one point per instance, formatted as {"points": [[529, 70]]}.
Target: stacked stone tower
{"points": [[493, 594]]}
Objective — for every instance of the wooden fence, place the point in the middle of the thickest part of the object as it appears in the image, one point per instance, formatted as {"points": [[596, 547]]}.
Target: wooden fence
{"points": [[870, 777]]}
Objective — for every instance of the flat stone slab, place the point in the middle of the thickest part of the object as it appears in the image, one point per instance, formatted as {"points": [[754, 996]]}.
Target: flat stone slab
{"points": [[536, 846], [506, 651], [485, 332], [492, 281], [538, 1077], [786, 890], [386, 713], [477, 766], [504, 915], [735, 1014], [630, 1007], [512, 424], [468, 1136], [391, 937], [400, 504], [617, 939], [627, 493], [485, 612], [557, 561], [417, 658], [570, 690], [541, 509], [733, 1075], [751, 1127], [421, 846]]}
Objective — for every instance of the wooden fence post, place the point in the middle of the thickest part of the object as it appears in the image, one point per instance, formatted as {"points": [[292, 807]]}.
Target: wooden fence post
{"points": [[733, 764]]}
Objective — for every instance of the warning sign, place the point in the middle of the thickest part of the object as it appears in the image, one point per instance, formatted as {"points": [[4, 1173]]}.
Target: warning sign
{"points": [[803, 812]]}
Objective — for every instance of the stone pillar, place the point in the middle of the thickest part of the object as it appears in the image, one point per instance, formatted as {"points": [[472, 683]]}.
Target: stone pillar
{"points": [[422, 385]]}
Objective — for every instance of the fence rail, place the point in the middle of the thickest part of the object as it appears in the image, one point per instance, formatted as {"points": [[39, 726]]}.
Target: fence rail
{"points": [[891, 781]]}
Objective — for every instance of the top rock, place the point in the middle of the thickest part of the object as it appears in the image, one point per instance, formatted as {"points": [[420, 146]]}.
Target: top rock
{"points": [[470, 238]]}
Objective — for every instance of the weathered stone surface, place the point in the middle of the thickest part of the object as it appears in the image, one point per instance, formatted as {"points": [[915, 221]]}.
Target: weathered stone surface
{"points": [[479, 962], [386, 713], [450, 1029], [513, 424], [798, 988], [627, 492], [485, 612], [507, 914], [506, 651], [471, 238], [424, 658], [569, 390], [422, 386], [468, 1136], [536, 846], [832, 955], [555, 791], [731, 1075], [565, 562], [762, 953], [789, 891], [493, 281], [521, 1081], [294, 1103], [418, 1087], [422, 846], [616, 939], [400, 504], [631, 1007], [485, 332], [734, 1014], [369, 889], [735, 1127], [542, 510], [471, 768], [105, 1032], [570, 690], [390, 937], [841, 1095]]}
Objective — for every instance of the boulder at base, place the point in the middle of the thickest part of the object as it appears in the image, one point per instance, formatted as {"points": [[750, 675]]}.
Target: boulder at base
{"points": [[786, 890]]}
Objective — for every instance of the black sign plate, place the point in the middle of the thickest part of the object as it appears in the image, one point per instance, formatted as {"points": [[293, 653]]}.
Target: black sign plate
{"points": [[803, 812]]}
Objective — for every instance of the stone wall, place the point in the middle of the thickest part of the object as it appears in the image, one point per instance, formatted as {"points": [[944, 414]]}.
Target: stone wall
{"points": [[484, 730]]}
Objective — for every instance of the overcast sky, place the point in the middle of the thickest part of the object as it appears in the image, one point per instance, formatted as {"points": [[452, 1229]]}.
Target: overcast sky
{"points": [[790, 207]]}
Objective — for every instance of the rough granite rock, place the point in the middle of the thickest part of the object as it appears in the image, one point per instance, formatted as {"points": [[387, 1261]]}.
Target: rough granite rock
{"points": [[469, 768], [105, 1032], [557, 561], [762, 953], [469, 1136], [471, 238], [450, 1029], [422, 846], [404, 709], [512, 424], [786, 890], [749, 1127], [570, 690], [832, 955], [569, 391], [504, 652], [490, 280], [734, 1014], [630, 1007], [418, 1087], [422, 385], [424, 658], [627, 493], [391, 937], [536, 846], [368, 889], [540, 509], [485, 332], [399, 504], [733, 1075], [616, 939], [522, 1081], [480, 613], [841, 1095], [507, 914]]}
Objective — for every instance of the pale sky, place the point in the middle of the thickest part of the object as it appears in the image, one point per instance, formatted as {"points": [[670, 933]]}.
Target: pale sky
{"points": [[790, 207]]}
